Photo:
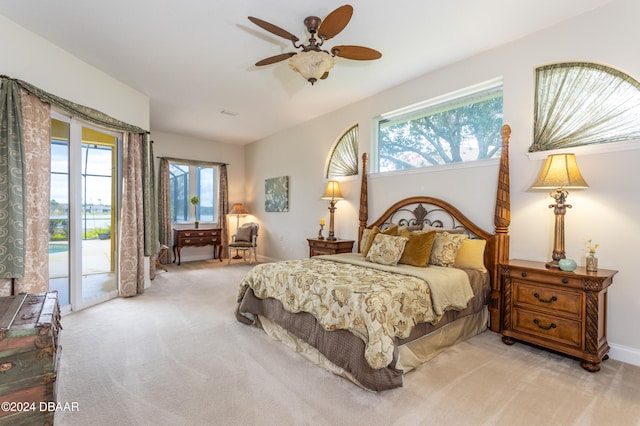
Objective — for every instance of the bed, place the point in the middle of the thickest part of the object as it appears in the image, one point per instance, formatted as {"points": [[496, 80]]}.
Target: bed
{"points": [[375, 315]]}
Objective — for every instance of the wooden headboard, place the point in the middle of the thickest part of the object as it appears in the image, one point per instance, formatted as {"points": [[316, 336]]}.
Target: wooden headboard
{"points": [[420, 210]]}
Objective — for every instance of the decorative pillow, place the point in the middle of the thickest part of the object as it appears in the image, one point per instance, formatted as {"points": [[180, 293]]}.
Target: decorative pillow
{"points": [[427, 228], [391, 230], [366, 233], [471, 255], [365, 244], [243, 234], [386, 249], [418, 249], [445, 248]]}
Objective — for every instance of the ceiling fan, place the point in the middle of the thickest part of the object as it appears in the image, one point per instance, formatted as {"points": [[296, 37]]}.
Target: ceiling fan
{"points": [[312, 62]]}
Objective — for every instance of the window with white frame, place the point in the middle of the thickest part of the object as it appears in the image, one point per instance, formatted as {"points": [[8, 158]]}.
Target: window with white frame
{"points": [[187, 181], [459, 127]]}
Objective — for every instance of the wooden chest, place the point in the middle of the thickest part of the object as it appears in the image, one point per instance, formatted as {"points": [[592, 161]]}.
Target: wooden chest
{"points": [[29, 357]]}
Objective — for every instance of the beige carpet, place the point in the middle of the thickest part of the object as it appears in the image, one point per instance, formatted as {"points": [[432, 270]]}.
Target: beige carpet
{"points": [[177, 356]]}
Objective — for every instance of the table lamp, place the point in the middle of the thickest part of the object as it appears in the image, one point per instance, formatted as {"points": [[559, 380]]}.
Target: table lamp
{"points": [[333, 194], [238, 210], [560, 172]]}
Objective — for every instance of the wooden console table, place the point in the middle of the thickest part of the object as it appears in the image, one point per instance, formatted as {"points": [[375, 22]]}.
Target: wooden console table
{"points": [[197, 238]]}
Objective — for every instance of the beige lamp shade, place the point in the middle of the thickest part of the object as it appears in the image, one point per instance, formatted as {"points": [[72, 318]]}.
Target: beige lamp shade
{"points": [[332, 191], [238, 209], [560, 171]]}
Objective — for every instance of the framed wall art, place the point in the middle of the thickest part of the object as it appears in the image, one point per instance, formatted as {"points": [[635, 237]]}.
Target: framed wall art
{"points": [[276, 194]]}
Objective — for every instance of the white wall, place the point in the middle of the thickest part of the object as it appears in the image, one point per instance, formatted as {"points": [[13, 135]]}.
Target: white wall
{"points": [[29, 57], [607, 212], [180, 146]]}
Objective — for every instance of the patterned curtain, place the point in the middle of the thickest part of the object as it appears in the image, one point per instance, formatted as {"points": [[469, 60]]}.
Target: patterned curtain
{"points": [[223, 208], [36, 117], [583, 104], [164, 206], [12, 186], [151, 242], [131, 226]]}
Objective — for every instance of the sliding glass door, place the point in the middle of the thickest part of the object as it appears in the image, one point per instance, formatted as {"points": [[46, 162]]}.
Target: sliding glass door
{"points": [[82, 259]]}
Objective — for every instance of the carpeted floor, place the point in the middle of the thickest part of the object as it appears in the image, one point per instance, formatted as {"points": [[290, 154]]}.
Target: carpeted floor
{"points": [[176, 356]]}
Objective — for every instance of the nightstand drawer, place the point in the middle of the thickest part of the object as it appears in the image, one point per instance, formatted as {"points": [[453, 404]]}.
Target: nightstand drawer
{"points": [[559, 329], [317, 247], [551, 298], [548, 277]]}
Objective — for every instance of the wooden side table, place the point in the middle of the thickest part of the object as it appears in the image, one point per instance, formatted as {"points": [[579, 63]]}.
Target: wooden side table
{"points": [[557, 310], [317, 246], [197, 238]]}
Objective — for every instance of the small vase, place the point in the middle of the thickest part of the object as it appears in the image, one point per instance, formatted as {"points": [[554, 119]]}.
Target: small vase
{"points": [[197, 225], [592, 263]]}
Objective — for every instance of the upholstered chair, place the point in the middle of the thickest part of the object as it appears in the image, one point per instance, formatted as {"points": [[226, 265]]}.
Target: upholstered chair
{"points": [[245, 239]]}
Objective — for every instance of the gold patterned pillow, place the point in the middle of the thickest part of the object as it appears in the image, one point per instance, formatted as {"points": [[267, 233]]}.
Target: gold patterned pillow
{"points": [[445, 248], [365, 243], [386, 249]]}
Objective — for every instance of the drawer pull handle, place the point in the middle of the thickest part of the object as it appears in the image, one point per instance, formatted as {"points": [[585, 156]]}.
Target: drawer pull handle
{"points": [[537, 296], [536, 322], [565, 281], [524, 274]]}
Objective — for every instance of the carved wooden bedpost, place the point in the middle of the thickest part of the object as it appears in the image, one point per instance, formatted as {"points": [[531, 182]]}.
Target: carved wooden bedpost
{"points": [[364, 200], [501, 220]]}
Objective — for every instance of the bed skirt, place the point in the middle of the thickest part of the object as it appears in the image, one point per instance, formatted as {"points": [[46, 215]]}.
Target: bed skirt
{"points": [[342, 353]]}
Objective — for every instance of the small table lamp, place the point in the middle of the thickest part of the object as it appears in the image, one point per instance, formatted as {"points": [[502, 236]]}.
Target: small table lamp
{"points": [[332, 193], [560, 172], [238, 210]]}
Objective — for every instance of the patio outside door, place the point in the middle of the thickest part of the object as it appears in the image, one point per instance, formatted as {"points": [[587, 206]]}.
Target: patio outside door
{"points": [[82, 247]]}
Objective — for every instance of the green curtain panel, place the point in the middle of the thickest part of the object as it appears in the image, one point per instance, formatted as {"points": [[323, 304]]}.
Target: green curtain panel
{"points": [[12, 186], [580, 103]]}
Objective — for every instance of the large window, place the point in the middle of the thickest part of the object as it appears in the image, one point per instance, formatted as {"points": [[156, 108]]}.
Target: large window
{"points": [[187, 181], [459, 127]]}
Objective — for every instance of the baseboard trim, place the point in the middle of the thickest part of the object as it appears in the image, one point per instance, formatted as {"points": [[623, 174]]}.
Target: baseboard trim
{"points": [[625, 354]]}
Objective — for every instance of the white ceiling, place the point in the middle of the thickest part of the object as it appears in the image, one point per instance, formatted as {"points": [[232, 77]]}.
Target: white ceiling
{"points": [[194, 58]]}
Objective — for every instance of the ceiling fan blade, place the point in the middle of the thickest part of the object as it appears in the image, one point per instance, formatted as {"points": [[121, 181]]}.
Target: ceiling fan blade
{"points": [[274, 59], [273, 29], [358, 53], [335, 22]]}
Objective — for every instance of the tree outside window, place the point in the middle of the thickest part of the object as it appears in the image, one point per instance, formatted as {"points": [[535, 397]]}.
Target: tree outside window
{"points": [[459, 130]]}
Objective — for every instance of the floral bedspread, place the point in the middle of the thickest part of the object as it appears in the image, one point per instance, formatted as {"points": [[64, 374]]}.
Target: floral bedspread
{"points": [[375, 304]]}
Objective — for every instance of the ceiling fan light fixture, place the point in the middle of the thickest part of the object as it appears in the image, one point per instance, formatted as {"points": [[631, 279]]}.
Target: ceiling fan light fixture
{"points": [[312, 65]]}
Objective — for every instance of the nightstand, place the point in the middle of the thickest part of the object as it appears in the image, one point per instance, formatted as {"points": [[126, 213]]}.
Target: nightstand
{"points": [[317, 247], [561, 311]]}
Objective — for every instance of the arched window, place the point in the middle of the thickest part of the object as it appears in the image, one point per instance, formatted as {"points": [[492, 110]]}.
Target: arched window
{"points": [[344, 158], [582, 103]]}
